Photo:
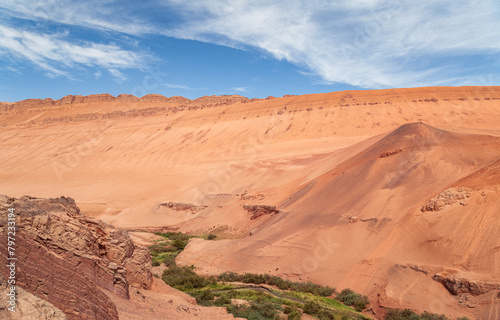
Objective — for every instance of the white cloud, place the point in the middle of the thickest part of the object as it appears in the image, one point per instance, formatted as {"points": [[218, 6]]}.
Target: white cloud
{"points": [[118, 75], [105, 15], [366, 43], [55, 53], [177, 86], [241, 89]]}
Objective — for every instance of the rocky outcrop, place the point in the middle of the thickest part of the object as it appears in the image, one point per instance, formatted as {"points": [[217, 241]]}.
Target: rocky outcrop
{"points": [[246, 196], [390, 153], [219, 100], [157, 98], [413, 267], [447, 197], [71, 260], [258, 210], [105, 97], [182, 206], [126, 98], [28, 306], [457, 283]]}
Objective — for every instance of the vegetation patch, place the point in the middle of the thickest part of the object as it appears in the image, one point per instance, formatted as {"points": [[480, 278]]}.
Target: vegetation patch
{"points": [[282, 284], [351, 298], [211, 236], [407, 314], [275, 297], [184, 278]]}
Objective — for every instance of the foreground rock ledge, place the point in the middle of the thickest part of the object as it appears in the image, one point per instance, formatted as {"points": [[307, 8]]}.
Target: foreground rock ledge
{"points": [[71, 260]]}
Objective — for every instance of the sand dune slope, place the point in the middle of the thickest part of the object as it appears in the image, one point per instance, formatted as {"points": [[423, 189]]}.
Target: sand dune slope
{"points": [[353, 225]]}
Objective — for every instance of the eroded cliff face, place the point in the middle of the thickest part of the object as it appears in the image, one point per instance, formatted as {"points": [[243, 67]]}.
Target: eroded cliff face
{"points": [[72, 260], [29, 307]]}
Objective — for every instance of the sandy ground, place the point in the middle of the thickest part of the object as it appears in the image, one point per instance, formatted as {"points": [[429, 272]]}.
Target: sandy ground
{"points": [[345, 171], [164, 303]]}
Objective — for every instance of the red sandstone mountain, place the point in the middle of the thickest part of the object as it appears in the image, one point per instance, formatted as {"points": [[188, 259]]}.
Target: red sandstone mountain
{"points": [[393, 193]]}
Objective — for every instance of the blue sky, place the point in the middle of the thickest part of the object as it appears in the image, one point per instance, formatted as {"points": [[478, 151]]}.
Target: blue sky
{"points": [[255, 48]]}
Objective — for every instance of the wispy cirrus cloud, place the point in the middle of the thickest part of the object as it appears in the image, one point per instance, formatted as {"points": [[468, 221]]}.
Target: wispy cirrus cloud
{"points": [[57, 53], [241, 89], [177, 86], [367, 43], [104, 15]]}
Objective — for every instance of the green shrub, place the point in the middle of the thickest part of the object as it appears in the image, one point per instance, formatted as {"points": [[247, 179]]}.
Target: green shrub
{"points": [[211, 236], [206, 295], [326, 315], [275, 281], [223, 299], [289, 309], [432, 316], [407, 314], [294, 315], [267, 309], [183, 278], [156, 263], [292, 312], [397, 314], [244, 312], [311, 307], [174, 235], [169, 261], [228, 277], [158, 248], [351, 298], [179, 243]]}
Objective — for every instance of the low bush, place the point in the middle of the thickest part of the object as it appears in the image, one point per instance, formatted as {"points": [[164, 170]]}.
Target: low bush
{"points": [[174, 235], [211, 236], [206, 295], [407, 314], [169, 261], [267, 309], [295, 315], [222, 300], [158, 248], [179, 244], [228, 277], [244, 312], [351, 298], [184, 278], [292, 312], [311, 307], [289, 309], [326, 315]]}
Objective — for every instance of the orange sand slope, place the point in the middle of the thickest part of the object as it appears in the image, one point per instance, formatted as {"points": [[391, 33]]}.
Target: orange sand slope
{"points": [[393, 193]]}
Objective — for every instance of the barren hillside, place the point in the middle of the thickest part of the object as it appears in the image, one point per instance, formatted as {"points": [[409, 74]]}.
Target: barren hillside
{"points": [[393, 193]]}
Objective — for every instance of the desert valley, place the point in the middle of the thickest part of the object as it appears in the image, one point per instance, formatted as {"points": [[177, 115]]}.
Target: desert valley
{"points": [[393, 193]]}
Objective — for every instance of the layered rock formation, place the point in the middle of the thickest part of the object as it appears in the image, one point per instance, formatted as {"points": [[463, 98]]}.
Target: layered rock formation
{"points": [[106, 97], [29, 307], [459, 283], [71, 260]]}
